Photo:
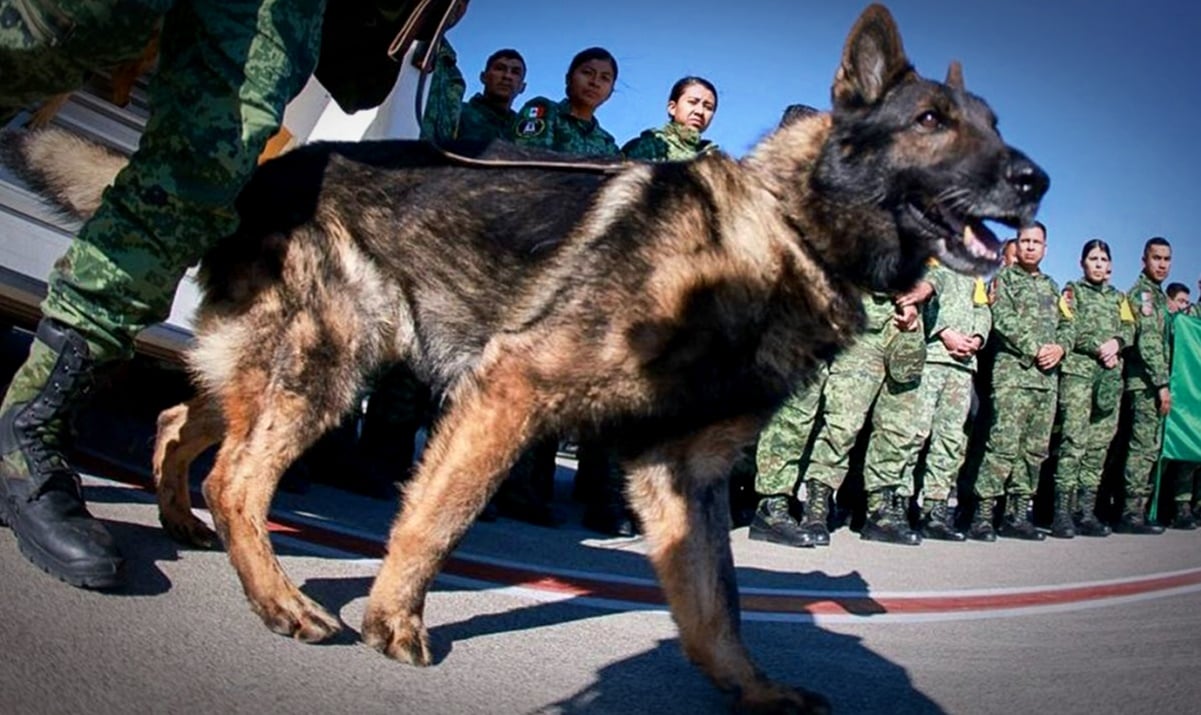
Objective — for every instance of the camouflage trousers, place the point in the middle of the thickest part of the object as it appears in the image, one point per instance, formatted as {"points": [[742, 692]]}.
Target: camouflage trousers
{"points": [[1086, 435], [858, 377], [226, 70], [782, 443], [943, 401], [1143, 452], [1019, 439]]}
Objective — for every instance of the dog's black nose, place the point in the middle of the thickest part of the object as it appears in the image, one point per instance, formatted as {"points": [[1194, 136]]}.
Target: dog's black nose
{"points": [[1030, 181]]}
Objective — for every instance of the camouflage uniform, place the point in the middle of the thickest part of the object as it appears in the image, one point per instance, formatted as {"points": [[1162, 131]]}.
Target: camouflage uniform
{"points": [[883, 366], [1027, 315], [481, 121], [226, 70], [1090, 393], [550, 125], [444, 102], [959, 303], [782, 442], [671, 142], [1147, 370]]}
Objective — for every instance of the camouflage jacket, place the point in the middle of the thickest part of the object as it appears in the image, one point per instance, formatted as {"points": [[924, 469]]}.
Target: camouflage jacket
{"points": [[1102, 313], [904, 351], [440, 120], [1148, 358], [550, 125], [959, 303], [671, 142], [1028, 314], [481, 121]]}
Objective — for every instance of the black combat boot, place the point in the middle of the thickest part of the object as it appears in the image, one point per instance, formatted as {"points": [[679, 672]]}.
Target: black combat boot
{"points": [[1016, 523], [607, 512], [1062, 526], [817, 511], [982, 523], [773, 523], [1184, 519], [1133, 520], [887, 519], [40, 495], [1085, 516], [938, 523]]}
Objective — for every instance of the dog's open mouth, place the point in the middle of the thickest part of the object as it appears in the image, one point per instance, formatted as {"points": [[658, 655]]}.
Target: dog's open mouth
{"points": [[962, 243]]}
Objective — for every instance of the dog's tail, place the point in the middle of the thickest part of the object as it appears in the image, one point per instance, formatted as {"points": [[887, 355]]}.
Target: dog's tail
{"points": [[65, 168]]}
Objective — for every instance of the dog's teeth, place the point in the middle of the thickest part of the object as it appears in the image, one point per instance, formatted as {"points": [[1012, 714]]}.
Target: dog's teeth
{"points": [[969, 236]]}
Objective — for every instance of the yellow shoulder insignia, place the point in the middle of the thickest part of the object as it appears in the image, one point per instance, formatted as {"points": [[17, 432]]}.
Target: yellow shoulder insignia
{"points": [[980, 295], [932, 261], [1064, 308], [1124, 311]]}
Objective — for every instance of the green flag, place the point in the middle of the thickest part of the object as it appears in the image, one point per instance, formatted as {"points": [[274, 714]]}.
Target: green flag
{"points": [[1182, 429]]}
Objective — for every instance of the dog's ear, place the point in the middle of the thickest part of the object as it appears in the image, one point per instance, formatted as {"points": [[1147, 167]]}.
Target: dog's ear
{"points": [[955, 76], [873, 60]]}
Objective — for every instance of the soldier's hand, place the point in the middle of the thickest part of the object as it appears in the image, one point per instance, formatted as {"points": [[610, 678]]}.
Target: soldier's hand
{"points": [[1109, 351], [1048, 356], [919, 294], [1110, 362], [906, 318], [1165, 401]]}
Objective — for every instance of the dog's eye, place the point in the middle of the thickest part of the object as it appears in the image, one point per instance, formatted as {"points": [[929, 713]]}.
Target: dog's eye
{"points": [[929, 119]]}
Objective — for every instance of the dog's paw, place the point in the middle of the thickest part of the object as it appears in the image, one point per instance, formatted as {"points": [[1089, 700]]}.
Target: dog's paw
{"points": [[299, 617], [190, 531], [398, 636], [776, 699]]}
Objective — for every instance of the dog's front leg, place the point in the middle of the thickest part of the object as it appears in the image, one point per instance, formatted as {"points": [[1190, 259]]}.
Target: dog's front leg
{"points": [[680, 493], [184, 432], [475, 443]]}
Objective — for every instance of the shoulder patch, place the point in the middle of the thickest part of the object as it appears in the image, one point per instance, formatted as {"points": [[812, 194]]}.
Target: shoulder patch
{"points": [[980, 294], [531, 127], [1148, 304], [1065, 306], [993, 289], [1124, 312]]}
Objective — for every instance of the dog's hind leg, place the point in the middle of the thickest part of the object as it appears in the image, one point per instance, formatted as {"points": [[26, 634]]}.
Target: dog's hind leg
{"points": [[267, 427], [184, 432], [473, 446], [679, 491]]}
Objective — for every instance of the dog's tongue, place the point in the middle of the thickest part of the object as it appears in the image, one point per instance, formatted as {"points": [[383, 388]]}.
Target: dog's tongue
{"points": [[979, 240]]}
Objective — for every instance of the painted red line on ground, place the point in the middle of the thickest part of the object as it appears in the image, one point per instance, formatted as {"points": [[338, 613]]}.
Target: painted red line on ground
{"points": [[599, 588]]}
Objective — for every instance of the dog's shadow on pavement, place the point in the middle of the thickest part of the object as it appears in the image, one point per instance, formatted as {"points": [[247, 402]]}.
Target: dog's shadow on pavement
{"points": [[854, 678]]}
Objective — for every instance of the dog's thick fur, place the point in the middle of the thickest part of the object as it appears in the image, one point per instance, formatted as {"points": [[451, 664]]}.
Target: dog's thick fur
{"points": [[671, 306]]}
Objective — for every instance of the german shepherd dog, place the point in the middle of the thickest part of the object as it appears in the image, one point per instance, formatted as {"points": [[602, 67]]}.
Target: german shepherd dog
{"points": [[669, 306]]}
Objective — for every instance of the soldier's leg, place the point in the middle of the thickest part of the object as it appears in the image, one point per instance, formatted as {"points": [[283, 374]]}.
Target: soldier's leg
{"points": [[856, 376], [1075, 414], [226, 71], [948, 448], [1037, 416], [1000, 455], [1141, 456], [1098, 437], [884, 467], [778, 455]]}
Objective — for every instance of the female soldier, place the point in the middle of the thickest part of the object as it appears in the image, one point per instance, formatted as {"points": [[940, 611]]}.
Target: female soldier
{"points": [[570, 125], [690, 108], [1090, 389]]}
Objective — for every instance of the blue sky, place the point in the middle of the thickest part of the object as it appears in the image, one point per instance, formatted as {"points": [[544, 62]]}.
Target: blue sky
{"points": [[1103, 94]]}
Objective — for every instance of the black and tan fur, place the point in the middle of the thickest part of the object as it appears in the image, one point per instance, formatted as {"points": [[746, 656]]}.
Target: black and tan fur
{"points": [[671, 306]]}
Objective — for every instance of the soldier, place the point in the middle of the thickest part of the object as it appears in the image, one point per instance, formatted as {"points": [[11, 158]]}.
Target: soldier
{"points": [[1033, 326], [883, 365], [778, 459], [1147, 391], [570, 125], [226, 71], [444, 101], [1178, 295], [691, 105], [1090, 392], [489, 114], [957, 320]]}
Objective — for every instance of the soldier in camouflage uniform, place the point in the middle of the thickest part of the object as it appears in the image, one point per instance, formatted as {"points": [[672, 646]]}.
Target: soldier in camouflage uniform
{"points": [[570, 125], [226, 70], [691, 105], [1147, 363], [1090, 392], [489, 114], [957, 320], [884, 365], [444, 101], [779, 455], [1033, 328]]}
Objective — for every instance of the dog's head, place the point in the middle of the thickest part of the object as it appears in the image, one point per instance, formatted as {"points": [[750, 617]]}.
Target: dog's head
{"points": [[914, 167]]}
